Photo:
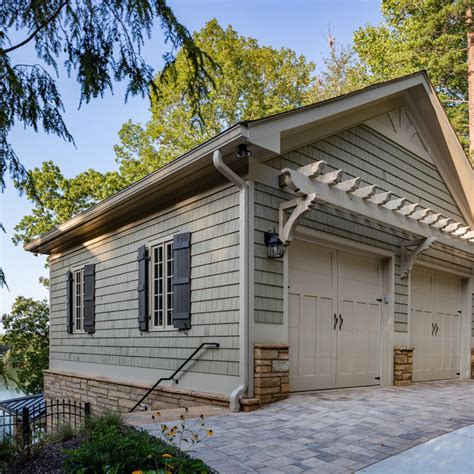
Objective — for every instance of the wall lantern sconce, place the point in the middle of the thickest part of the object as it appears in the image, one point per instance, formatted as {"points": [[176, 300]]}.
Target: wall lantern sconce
{"points": [[274, 244]]}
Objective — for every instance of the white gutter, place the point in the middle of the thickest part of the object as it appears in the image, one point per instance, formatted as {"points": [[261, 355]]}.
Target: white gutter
{"points": [[243, 281]]}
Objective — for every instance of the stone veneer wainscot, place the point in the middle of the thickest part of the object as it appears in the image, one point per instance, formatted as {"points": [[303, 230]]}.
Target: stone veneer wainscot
{"points": [[106, 394]]}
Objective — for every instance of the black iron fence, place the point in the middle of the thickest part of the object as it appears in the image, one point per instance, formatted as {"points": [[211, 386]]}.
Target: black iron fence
{"points": [[28, 419]]}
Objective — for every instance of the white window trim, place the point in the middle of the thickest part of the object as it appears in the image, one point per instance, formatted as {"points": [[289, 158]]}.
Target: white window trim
{"points": [[150, 245], [74, 270]]}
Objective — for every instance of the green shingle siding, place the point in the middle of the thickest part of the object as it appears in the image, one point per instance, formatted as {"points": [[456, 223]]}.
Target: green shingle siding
{"points": [[362, 152], [213, 219]]}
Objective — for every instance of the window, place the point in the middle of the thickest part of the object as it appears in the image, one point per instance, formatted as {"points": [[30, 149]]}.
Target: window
{"points": [[78, 299], [162, 272]]}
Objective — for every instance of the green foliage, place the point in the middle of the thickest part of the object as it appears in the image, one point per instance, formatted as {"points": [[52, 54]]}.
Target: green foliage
{"points": [[58, 198], [26, 334], [252, 81], [8, 451], [113, 447], [342, 73], [7, 373], [427, 34], [61, 433], [110, 418], [99, 42]]}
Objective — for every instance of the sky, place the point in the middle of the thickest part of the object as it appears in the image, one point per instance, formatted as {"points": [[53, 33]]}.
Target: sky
{"points": [[301, 25]]}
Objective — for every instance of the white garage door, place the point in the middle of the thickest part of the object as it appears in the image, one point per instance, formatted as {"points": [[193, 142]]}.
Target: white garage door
{"points": [[435, 325], [334, 318]]}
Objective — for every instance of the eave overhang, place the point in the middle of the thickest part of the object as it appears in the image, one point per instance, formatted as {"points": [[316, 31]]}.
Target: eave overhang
{"points": [[287, 131], [165, 186], [270, 137]]}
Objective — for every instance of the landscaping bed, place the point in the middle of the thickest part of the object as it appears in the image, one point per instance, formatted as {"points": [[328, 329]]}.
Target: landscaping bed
{"points": [[106, 445]]}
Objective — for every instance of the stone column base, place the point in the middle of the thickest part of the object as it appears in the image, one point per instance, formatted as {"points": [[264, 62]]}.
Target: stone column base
{"points": [[272, 369], [403, 366]]}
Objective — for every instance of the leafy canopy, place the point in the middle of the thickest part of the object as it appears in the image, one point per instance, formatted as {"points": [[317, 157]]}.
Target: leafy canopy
{"points": [[98, 42], [251, 81], [426, 34], [26, 334]]}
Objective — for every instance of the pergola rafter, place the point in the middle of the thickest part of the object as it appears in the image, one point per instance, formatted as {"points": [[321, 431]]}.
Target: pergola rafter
{"points": [[312, 187]]}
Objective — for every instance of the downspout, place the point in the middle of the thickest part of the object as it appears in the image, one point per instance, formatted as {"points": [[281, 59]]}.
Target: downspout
{"points": [[243, 278]]}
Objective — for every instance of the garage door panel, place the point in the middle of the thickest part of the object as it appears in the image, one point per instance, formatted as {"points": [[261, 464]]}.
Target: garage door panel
{"points": [[446, 344], [328, 282], [312, 344], [358, 268], [358, 356], [435, 325]]}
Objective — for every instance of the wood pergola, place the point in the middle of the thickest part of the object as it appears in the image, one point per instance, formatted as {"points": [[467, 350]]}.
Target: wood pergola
{"points": [[312, 186]]}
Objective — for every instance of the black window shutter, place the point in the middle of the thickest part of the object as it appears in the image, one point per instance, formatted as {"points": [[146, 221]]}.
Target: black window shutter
{"points": [[69, 311], [143, 316], [182, 281], [89, 298]]}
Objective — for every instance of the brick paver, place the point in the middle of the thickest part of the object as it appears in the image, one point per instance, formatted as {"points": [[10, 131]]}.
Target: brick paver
{"points": [[337, 431]]}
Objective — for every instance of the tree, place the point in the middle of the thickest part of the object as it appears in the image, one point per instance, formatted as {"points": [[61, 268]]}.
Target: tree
{"points": [[57, 198], [26, 334], [342, 73], [427, 34], [251, 81], [100, 42]]}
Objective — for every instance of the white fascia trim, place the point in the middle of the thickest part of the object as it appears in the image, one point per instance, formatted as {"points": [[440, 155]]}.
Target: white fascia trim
{"points": [[267, 133], [152, 179]]}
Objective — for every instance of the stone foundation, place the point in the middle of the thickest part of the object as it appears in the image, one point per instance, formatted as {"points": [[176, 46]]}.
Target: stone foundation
{"points": [[113, 395], [403, 366], [271, 372]]}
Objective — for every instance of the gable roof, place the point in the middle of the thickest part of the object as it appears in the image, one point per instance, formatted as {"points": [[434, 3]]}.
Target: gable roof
{"points": [[276, 134], [286, 131]]}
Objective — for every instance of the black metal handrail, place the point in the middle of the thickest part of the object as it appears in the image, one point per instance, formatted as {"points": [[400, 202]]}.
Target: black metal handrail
{"points": [[172, 377]]}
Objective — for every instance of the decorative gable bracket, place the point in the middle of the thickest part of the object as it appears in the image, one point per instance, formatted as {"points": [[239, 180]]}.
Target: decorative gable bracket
{"points": [[300, 205], [407, 261]]}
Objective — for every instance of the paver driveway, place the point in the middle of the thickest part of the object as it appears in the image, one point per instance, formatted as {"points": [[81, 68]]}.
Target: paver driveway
{"points": [[335, 431]]}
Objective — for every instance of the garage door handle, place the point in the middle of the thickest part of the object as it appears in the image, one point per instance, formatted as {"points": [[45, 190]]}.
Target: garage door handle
{"points": [[437, 329], [335, 321], [432, 329], [341, 320]]}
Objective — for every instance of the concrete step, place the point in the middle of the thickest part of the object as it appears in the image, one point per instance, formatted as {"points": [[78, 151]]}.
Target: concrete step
{"points": [[144, 418]]}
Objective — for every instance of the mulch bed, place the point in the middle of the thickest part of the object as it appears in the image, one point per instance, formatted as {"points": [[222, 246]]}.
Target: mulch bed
{"points": [[49, 460]]}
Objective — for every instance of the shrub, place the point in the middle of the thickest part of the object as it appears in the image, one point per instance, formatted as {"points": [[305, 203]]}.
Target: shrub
{"points": [[112, 447], [62, 433], [8, 451]]}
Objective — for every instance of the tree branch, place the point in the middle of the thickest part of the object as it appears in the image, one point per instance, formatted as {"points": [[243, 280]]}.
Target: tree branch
{"points": [[44, 24]]}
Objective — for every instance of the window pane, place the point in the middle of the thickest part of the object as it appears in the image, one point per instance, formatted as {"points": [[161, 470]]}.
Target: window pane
{"points": [[162, 284], [78, 299]]}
